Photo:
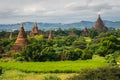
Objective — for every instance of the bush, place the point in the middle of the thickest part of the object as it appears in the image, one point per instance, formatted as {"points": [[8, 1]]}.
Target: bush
{"points": [[108, 73], [73, 54], [87, 54], [51, 78]]}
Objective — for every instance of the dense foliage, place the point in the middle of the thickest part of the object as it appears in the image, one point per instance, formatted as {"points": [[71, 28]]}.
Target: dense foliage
{"points": [[65, 46], [107, 73]]}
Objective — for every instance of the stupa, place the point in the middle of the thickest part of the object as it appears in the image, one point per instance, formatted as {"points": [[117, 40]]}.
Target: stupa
{"points": [[72, 33], [34, 30], [99, 25], [11, 35], [86, 31], [50, 35], [21, 40]]}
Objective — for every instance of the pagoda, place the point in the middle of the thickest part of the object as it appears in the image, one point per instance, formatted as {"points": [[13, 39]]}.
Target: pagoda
{"points": [[99, 25], [50, 35], [21, 40], [34, 30], [11, 35], [72, 33], [86, 31]]}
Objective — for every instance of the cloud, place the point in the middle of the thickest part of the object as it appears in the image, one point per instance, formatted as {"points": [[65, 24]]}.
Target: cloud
{"points": [[12, 11]]}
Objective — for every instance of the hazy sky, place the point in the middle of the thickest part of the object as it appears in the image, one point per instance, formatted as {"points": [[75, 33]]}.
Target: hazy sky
{"points": [[65, 11]]}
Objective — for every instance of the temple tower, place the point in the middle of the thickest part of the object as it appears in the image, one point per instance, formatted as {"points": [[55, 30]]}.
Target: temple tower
{"points": [[11, 35], [21, 40], [34, 30], [50, 35], [86, 31], [72, 33], [99, 25]]}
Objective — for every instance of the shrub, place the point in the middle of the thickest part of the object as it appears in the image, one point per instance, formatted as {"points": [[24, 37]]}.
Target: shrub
{"points": [[73, 54], [87, 54], [107, 73], [51, 78]]}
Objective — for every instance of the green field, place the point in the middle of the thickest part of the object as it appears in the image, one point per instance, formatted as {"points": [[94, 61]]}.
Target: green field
{"points": [[55, 67]]}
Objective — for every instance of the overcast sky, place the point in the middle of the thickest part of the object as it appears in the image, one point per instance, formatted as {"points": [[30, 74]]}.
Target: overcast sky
{"points": [[65, 11]]}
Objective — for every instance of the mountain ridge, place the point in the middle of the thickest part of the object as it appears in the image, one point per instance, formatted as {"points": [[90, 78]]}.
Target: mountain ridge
{"points": [[54, 26]]}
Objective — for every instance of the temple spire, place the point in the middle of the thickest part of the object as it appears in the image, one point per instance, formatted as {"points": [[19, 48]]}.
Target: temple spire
{"points": [[21, 40], [50, 35], [34, 30], [99, 25], [11, 35], [86, 31]]}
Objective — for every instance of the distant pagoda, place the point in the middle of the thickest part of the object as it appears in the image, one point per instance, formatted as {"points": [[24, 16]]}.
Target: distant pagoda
{"points": [[21, 40], [99, 25], [86, 31], [72, 33], [50, 36], [11, 35], [34, 30]]}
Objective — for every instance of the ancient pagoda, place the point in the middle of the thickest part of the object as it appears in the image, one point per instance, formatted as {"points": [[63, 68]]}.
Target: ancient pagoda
{"points": [[86, 31], [21, 40], [34, 30], [99, 25], [11, 35], [50, 36], [72, 34]]}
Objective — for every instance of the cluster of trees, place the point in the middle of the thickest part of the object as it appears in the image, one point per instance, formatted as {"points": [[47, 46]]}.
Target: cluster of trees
{"points": [[65, 47], [107, 73], [60, 48]]}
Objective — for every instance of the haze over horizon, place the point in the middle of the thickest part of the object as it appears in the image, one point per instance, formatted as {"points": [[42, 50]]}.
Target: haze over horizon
{"points": [[57, 11]]}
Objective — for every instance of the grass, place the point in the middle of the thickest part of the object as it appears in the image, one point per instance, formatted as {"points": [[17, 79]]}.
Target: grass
{"points": [[55, 67], [18, 75]]}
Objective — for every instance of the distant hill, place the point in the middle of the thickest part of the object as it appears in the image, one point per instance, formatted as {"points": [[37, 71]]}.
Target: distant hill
{"points": [[55, 26]]}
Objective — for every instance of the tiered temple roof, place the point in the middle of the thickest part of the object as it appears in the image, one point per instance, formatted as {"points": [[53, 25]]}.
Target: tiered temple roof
{"points": [[99, 25], [34, 30], [21, 40]]}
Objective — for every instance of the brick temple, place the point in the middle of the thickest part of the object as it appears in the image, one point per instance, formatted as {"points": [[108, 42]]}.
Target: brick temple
{"points": [[34, 30], [50, 36], [21, 40], [99, 25], [86, 31]]}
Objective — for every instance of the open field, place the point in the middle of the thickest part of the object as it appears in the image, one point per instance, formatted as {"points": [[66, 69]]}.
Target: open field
{"points": [[54, 67]]}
